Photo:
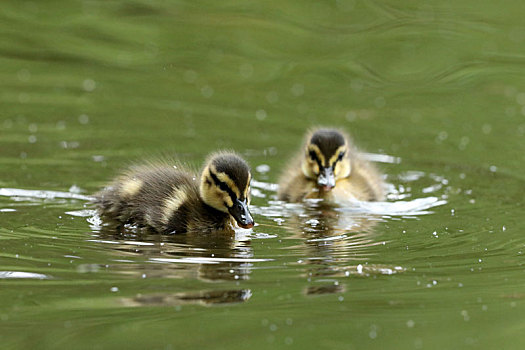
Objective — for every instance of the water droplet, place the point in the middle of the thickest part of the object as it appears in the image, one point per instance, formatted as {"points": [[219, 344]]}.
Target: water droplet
{"points": [[262, 168], [520, 98], [465, 315], [23, 97], [272, 97], [190, 76], [61, 125], [83, 119], [356, 85], [246, 70], [463, 142], [297, 90], [351, 116], [207, 91], [380, 102], [89, 85], [23, 75], [443, 135], [260, 114]]}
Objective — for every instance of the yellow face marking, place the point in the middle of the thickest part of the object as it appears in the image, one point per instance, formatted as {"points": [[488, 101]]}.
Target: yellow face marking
{"points": [[130, 187], [247, 189], [342, 169], [333, 159], [320, 155], [225, 198], [213, 195], [173, 202], [309, 166], [226, 179]]}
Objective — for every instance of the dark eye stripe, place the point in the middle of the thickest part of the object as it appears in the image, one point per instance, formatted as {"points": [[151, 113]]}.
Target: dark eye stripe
{"points": [[223, 186], [313, 155], [339, 158]]}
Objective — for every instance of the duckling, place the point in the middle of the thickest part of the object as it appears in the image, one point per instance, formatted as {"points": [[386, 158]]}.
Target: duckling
{"points": [[169, 199], [330, 167]]}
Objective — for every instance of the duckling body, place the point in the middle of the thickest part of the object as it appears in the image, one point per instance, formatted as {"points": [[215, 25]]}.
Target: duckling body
{"points": [[170, 199], [330, 167]]}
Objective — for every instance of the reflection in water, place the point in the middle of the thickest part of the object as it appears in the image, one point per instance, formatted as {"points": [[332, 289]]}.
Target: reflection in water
{"points": [[203, 297], [209, 257], [326, 289], [335, 240], [22, 275], [336, 245]]}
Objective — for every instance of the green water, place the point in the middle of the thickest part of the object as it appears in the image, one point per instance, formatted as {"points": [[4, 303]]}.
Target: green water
{"points": [[88, 87]]}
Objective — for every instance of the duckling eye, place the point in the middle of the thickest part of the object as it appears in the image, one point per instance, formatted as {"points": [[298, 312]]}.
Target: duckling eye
{"points": [[312, 155], [341, 155]]}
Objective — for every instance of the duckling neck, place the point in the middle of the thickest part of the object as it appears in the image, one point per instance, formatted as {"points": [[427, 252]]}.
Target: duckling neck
{"points": [[214, 217]]}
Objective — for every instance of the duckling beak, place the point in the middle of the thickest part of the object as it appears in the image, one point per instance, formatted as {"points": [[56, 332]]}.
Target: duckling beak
{"points": [[241, 214], [326, 179]]}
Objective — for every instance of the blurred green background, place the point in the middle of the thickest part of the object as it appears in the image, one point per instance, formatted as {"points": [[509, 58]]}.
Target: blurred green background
{"points": [[88, 87]]}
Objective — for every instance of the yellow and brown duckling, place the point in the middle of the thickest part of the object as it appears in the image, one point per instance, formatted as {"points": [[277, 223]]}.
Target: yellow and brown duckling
{"points": [[330, 167], [169, 199]]}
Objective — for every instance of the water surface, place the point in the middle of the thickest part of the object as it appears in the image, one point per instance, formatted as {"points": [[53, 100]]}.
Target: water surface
{"points": [[433, 91]]}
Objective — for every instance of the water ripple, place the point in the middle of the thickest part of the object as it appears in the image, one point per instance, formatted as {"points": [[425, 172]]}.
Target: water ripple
{"points": [[23, 275], [41, 194]]}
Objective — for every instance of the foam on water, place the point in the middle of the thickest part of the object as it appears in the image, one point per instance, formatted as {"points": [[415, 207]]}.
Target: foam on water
{"points": [[396, 206], [206, 260], [381, 158], [42, 194], [418, 206], [23, 275]]}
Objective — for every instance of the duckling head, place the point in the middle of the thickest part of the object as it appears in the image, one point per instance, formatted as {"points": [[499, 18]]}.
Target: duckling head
{"points": [[326, 158], [225, 186]]}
